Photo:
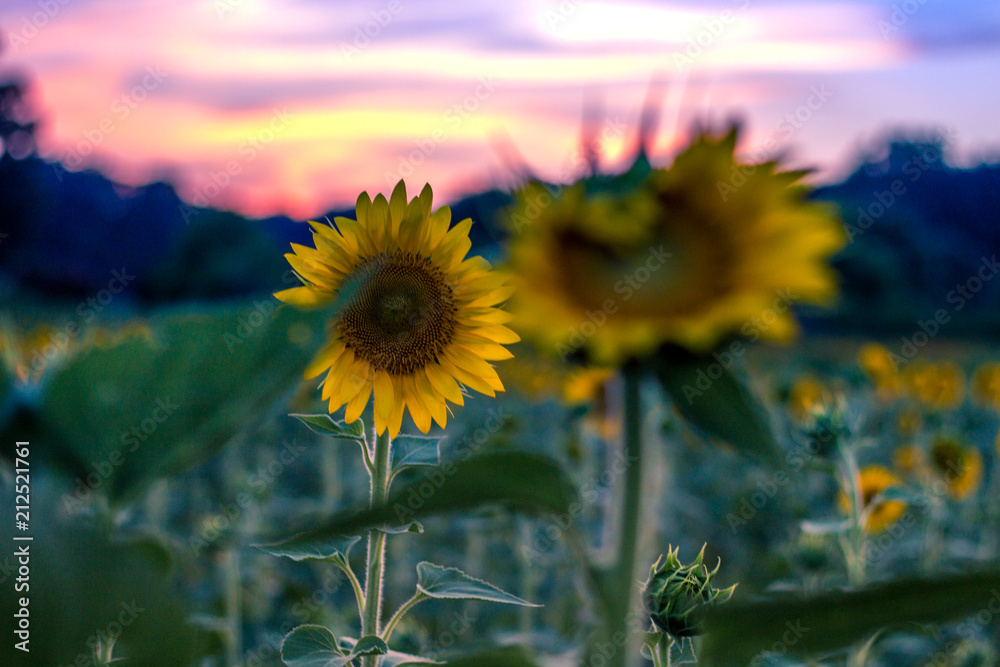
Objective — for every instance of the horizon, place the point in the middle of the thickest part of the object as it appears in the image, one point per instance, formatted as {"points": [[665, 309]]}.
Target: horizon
{"points": [[294, 112]]}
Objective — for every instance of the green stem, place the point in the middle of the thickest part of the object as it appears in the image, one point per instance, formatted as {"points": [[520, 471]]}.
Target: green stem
{"points": [[626, 593], [417, 598], [359, 594], [381, 470], [103, 651], [855, 547]]}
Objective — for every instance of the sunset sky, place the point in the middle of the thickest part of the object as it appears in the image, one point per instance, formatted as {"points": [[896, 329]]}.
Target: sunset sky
{"points": [[296, 106]]}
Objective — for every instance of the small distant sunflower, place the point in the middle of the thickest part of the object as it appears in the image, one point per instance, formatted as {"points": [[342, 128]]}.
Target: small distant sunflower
{"points": [[415, 319], [986, 385], [806, 396], [613, 267], [909, 459], [959, 465], [875, 479], [939, 386], [876, 362]]}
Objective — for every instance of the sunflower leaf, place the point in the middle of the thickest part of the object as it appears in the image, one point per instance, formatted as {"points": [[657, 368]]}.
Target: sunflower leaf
{"points": [[390, 658], [828, 527], [335, 549], [530, 482], [448, 583], [145, 407], [415, 450], [411, 527], [736, 633], [712, 398], [312, 646], [323, 424]]}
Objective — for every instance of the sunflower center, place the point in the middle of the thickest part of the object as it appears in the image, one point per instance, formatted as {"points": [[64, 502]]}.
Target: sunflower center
{"points": [[400, 313]]}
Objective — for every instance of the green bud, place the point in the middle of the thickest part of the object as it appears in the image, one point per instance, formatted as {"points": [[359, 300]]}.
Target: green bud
{"points": [[826, 427], [675, 594]]}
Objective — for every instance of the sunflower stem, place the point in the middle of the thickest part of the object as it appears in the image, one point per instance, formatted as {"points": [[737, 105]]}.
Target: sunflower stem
{"points": [[381, 469], [855, 545], [417, 598], [624, 598]]}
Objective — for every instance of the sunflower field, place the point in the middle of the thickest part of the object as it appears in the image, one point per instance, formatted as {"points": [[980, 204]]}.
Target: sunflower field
{"points": [[609, 444], [681, 405]]}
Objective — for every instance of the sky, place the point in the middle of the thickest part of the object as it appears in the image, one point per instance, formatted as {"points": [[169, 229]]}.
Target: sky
{"points": [[295, 106]]}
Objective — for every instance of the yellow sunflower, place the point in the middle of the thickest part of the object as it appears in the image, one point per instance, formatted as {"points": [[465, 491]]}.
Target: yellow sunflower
{"points": [[806, 396], [875, 479], [939, 386], [613, 267], [876, 361], [960, 466], [414, 318], [986, 385], [909, 459]]}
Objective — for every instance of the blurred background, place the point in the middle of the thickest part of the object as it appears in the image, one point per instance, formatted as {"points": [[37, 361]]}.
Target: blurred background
{"points": [[156, 159]]}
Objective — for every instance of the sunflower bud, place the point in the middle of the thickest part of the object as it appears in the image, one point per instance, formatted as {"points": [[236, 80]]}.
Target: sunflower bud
{"points": [[826, 427], [674, 594]]}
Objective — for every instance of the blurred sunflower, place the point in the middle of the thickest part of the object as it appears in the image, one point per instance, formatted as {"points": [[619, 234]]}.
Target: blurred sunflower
{"points": [[613, 267], [414, 318], [938, 386], [986, 385], [875, 479], [876, 361], [959, 465], [806, 396], [583, 385], [909, 459], [43, 347]]}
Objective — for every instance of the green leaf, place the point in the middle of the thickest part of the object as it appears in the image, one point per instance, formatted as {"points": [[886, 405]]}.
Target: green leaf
{"points": [[412, 527], [334, 549], [529, 482], [736, 633], [448, 583], [391, 658], [82, 584], [903, 493], [829, 527], [146, 407], [709, 396], [415, 450], [323, 424], [312, 646], [370, 645]]}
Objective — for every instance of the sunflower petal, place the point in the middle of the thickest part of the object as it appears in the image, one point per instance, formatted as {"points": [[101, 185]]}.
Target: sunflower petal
{"points": [[304, 297], [444, 383], [397, 206], [385, 395], [362, 208]]}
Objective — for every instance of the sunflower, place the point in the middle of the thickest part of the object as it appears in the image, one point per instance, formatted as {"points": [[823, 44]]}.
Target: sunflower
{"points": [[960, 466], [909, 459], [986, 385], [414, 318], [939, 386], [806, 396], [877, 363], [613, 267], [875, 479]]}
